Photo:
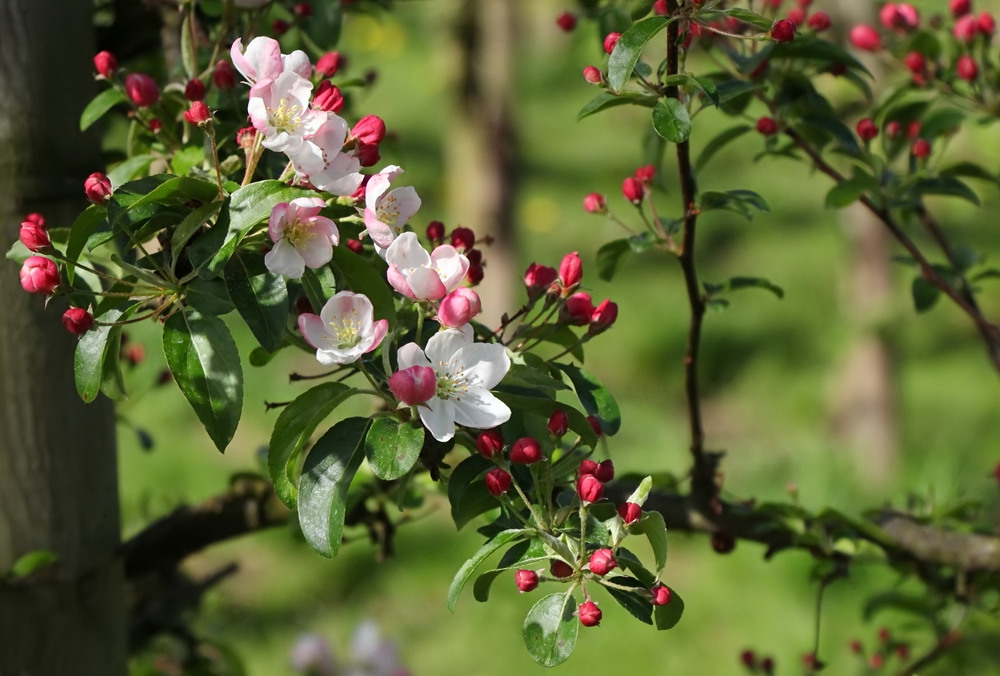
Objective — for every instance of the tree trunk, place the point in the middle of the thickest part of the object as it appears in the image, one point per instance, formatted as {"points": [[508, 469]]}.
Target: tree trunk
{"points": [[58, 475]]}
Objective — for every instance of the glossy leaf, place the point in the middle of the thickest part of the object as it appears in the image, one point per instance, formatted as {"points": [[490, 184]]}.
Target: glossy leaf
{"points": [[629, 47], [91, 351], [393, 447], [609, 257], [99, 105], [83, 227], [606, 100], [467, 492], [292, 430], [651, 525], [469, 567], [130, 168], [596, 399], [188, 227], [326, 477], [260, 296], [551, 628], [636, 602], [320, 285], [671, 120], [364, 276], [205, 364], [208, 296]]}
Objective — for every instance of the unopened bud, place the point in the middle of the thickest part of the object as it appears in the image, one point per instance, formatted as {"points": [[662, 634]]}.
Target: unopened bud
{"points": [[525, 451], [589, 488], [629, 512], [660, 595], [602, 562], [570, 270], [33, 234], [458, 307], [39, 275], [558, 423], [766, 126], [594, 204], [198, 114], [603, 316], [610, 40], [497, 482], [328, 97], [194, 90], [782, 30], [105, 64], [819, 21], [223, 75], [525, 580], [866, 129], [463, 239], [77, 321], [538, 278], [329, 64], [632, 190], [413, 385], [589, 614], [489, 443], [577, 310], [370, 129], [560, 569], [865, 37], [592, 75], [141, 89], [435, 232], [566, 21], [97, 187]]}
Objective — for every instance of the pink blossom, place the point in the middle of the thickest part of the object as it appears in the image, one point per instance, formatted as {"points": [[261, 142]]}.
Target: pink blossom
{"points": [[302, 238], [420, 275], [321, 160], [279, 109], [413, 385], [458, 307], [344, 329], [387, 212], [263, 60]]}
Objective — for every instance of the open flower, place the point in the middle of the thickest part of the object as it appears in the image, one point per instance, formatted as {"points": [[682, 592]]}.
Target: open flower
{"points": [[321, 160], [420, 275], [465, 372], [279, 109], [343, 330], [302, 238], [263, 60], [387, 212]]}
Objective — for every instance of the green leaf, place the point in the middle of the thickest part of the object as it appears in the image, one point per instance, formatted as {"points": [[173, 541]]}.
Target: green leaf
{"points": [[545, 406], [99, 105], [738, 283], [719, 142], [925, 294], [532, 377], [260, 296], [609, 257], [671, 120], [91, 351], [667, 616], [738, 201], [606, 100], [522, 555], [205, 364], [292, 430], [651, 525], [629, 47], [467, 494], [208, 296], [596, 400], [941, 122], [746, 16], [128, 169], [970, 170], [550, 629], [28, 563], [326, 477], [81, 230], [320, 285], [190, 226], [392, 447], [851, 189], [362, 276], [469, 567], [945, 185], [635, 602]]}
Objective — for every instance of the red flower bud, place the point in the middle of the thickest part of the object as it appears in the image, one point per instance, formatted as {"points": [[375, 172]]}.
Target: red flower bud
{"points": [[435, 232], [525, 451], [303, 10], [915, 62], [819, 21], [367, 154], [475, 274], [354, 246], [413, 385], [105, 64], [578, 309], [632, 190], [592, 75], [865, 37], [987, 25], [328, 97], [645, 174], [589, 614], [97, 187], [198, 114], [566, 21], [279, 27], [966, 68], [141, 89], [194, 90], [660, 8], [558, 423], [782, 30], [892, 129], [959, 8], [610, 40], [595, 425], [463, 239], [588, 466], [370, 129], [866, 129], [77, 321], [594, 204], [497, 482], [538, 278], [570, 270], [603, 316], [965, 29], [560, 569], [33, 234], [855, 646], [920, 149], [602, 562], [489, 443], [629, 512], [767, 126], [39, 275], [661, 596], [458, 307], [747, 658], [767, 666], [605, 471], [884, 635], [589, 488], [525, 580], [223, 75], [329, 64]]}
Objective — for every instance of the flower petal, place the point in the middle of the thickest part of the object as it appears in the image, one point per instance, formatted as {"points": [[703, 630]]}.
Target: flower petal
{"points": [[486, 363], [438, 416], [312, 329], [284, 259], [411, 355], [480, 409]]}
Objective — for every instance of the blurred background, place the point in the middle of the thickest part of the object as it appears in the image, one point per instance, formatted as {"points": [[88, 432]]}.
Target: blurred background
{"points": [[839, 393]]}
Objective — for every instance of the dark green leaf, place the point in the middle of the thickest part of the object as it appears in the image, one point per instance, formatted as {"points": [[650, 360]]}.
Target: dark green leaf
{"points": [[719, 142], [32, 561], [746, 16], [91, 351], [260, 296], [326, 477], [467, 492], [469, 567], [191, 224], [208, 296], [128, 169], [292, 430], [629, 47], [737, 201], [970, 170], [738, 283], [851, 189], [205, 364], [99, 105], [89, 220], [946, 185], [667, 616], [606, 100], [832, 127], [597, 401], [651, 525], [609, 257], [545, 406], [925, 294], [941, 122], [320, 285], [550, 629], [912, 605], [635, 602], [671, 120], [532, 377], [364, 276], [392, 447]]}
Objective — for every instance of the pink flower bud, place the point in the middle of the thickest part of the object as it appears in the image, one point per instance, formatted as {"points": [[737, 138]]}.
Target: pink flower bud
{"points": [[525, 451], [907, 16], [632, 190], [594, 204], [370, 129], [141, 89], [767, 126], [645, 174], [589, 488], [797, 17], [463, 239], [660, 8], [602, 562], [133, 353], [629, 512], [966, 68], [920, 149], [328, 97], [77, 321], [603, 316], [525, 580], [558, 423], [223, 75], [892, 129], [915, 62], [819, 21], [458, 307], [578, 309], [39, 275], [302, 10], [489, 443], [595, 425], [782, 30], [538, 278], [605, 471], [105, 64], [589, 614], [566, 21], [866, 129], [610, 40], [965, 29], [570, 270], [194, 90], [959, 8], [33, 234], [592, 75], [660, 595], [497, 482], [198, 114], [987, 25], [435, 232], [865, 37], [97, 187], [560, 569], [329, 64], [413, 385]]}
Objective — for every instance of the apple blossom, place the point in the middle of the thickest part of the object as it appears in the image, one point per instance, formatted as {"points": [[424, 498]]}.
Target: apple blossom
{"points": [[302, 238], [279, 109], [321, 160], [263, 60], [466, 371], [387, 212], [420, 275], [458, 307], [344, 329]]}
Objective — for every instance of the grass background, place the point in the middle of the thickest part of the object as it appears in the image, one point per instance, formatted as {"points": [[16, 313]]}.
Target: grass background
{"points": [[769, 367]]}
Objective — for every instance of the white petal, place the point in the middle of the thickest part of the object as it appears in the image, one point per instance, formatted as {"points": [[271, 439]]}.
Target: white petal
{"points": [[318, 252], [312, 329], [443, 345], [284, 259], [438, 417], [486, 363], [481, 410], [411, 355]]}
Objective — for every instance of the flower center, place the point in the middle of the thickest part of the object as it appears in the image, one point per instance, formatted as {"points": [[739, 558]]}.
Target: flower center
{"points": [[346, 329], [387, 210], [286, 118], [452, 382], [298, 234]]}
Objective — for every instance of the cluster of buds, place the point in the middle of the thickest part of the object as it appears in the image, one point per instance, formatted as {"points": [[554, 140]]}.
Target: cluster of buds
{"points": [[559, 287], [886, 648]]}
